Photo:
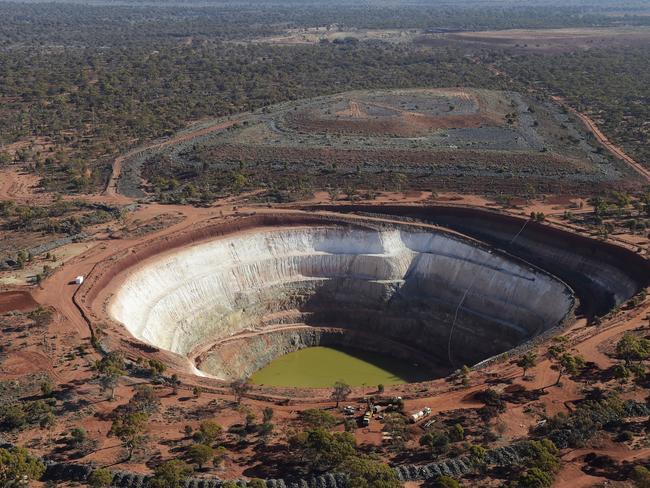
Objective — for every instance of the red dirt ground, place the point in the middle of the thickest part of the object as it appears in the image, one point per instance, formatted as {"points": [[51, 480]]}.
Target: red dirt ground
{"points": [[20, 301]]}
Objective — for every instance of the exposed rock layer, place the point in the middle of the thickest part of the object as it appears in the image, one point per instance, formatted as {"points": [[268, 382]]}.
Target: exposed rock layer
{"points": [[410, 287], [602, 275]]}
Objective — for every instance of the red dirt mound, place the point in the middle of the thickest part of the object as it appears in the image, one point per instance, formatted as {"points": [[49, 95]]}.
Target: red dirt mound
{"points": [[405, 125]]}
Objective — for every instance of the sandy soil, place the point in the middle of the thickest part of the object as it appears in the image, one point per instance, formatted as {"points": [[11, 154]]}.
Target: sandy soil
{"points": [[19, 186], [20, 300]]}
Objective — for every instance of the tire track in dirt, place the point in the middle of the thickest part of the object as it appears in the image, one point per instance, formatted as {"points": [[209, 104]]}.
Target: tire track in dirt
{"points": [[616, 151], [111, 187], [613, 149]]}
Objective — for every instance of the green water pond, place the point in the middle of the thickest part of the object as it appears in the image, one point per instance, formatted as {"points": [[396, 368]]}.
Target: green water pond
{"points": [[321, 367]]}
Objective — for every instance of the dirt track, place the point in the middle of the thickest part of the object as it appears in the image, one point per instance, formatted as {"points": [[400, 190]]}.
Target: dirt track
{"points": [[616, 151], [111, 187]]}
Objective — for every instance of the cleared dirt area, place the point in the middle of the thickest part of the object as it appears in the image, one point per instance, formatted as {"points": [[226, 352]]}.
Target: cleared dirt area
{"points": [[19, 301], [19, 186], [400, 115], [313, 35], [546, 40]]}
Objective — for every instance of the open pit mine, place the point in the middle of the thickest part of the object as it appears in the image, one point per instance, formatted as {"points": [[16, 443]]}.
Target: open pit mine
{"points": [[437, 287]]}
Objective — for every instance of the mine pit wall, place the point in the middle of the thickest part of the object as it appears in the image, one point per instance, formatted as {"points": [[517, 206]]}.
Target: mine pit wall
{"points": [[241, 357], [402, 286], [603, 275]]}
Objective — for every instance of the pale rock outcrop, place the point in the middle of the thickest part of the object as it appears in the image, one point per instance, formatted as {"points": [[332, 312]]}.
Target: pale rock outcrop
{"points": [[409, 286]]}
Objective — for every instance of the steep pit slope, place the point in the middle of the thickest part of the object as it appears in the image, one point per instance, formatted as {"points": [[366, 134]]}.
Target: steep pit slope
{"points": [[602, 275], [404, 287]]}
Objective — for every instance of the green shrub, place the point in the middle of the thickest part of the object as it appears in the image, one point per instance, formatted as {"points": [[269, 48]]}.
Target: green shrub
{"points": [[100, 478]]}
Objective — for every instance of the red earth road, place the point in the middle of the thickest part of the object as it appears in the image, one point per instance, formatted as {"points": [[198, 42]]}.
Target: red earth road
{"points": [[616, 151]]}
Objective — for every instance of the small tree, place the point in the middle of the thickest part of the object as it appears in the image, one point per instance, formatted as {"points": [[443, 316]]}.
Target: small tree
{"points": [[47, 421], [568, 364], [438, 442], [47, 388], [445, 482], [267, 414], [257, 483], [109, 369], [220, 454], [78, 436], [366, 472], [315, 418], [543, 455], [130, 430], [239, 389], [208, 432], [100, 478], [322, 450], [145, 400], [477, 455], [527, 361], [535, 478], [632, 348], [621, 373], [18, 467], [249, 422], [5, 158], [175, 382], [200, 454], [156, 368], [340, 392], [641, 476], [456, 433], [266, 429], [170, 474]]}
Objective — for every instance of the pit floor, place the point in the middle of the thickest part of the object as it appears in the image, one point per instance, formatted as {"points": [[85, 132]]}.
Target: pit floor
{"points": [[321, 367]]}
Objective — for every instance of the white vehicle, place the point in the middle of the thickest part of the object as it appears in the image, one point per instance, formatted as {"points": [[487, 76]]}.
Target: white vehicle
{"points": [[425, 412]]}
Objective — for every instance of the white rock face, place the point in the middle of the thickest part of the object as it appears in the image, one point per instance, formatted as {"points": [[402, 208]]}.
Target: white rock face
{"points": [[203, 294]]}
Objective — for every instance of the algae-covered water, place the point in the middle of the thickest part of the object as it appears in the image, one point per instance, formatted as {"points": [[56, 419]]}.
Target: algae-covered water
{"points": [[321, 367]]}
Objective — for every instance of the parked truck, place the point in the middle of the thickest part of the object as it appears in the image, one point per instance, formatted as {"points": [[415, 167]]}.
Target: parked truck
{"points": [[419, 415]]}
